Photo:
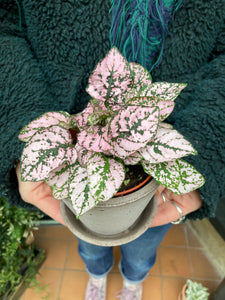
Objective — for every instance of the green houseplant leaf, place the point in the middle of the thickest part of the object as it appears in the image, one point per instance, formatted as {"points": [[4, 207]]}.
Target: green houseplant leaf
{"points": [[15, 226], [46, 120], [168, 145], [105, 176], [44, 152], [178, 176]]}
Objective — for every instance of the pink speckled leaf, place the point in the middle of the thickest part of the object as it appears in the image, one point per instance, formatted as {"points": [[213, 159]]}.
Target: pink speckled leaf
{"points": [[191, 179], [142, 78], [133, 159], [166, 174], [165, 107], [47, 150], [165, 90], [95, 138], [58, 181], [93, 114], [165, 125], [49, 119], [81, 119], [83, 155], [79, 190], [105, 176], [141, 81], [168, 145], [132, 128], [177, 176], [111, 79]]}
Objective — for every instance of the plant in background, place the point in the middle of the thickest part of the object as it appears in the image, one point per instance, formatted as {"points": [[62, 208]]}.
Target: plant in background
{"points": [[17, 254], [121, 125], [196, 291]]}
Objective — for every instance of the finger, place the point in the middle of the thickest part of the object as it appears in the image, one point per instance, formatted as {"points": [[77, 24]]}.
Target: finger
{"points": [[166, 213], [187, 202], [159, 196]]}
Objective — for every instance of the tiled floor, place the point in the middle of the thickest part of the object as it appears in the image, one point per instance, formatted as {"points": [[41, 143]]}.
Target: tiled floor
{"points": [[180, 256]]}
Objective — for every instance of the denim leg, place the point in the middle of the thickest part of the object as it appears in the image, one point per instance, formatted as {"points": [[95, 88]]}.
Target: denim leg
{"points": [[98, 259], [139, 256]]}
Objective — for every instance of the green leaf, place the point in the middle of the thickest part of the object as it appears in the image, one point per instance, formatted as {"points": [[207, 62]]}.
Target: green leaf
{"points": [[105, 176], [178, 176]]}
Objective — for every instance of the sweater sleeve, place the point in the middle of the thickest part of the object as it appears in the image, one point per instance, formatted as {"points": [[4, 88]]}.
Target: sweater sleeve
{"points": [[23, 96], [202, 122]]}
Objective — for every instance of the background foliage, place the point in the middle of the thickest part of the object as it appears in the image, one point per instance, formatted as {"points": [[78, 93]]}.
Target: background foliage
{"points": [[16, 255]]}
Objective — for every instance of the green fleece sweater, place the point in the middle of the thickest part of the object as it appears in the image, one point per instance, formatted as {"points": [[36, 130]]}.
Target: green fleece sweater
{"points": [[49, 48]]}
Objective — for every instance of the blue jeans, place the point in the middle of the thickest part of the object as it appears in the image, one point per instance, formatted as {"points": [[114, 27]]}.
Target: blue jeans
{"points": [[137, 257]]}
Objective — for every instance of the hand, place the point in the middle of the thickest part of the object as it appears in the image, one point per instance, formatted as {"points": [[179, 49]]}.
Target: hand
{"points": [[167, 212], [40, 195]]}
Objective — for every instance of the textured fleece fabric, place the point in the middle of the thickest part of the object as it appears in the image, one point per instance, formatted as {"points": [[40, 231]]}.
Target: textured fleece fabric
{"points": [[48, 49]]}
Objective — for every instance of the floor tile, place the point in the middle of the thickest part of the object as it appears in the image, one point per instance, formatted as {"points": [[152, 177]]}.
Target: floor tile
{"points": [[58, 232], [114, 285], [56, 251], [174, 261], [117, 256], [74, 260], [192, 240], [201, 267], [73, 285], [151, 288], [171, 288], [40, 232], [155, 270], [49, 277], [175, 236]]}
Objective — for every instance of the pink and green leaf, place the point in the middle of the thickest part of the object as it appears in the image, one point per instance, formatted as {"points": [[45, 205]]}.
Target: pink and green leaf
{"points": [[79, 191], [178, 176], [81, 119], [83, 155], [46, 120], [133, 159], [111, 79], [132, 128], [165, 90], [142, 79], [165, 125], [191, 179], [165, 107], [167, 145], [95, 138], [58, 180], [46, 151], [105, 176]]}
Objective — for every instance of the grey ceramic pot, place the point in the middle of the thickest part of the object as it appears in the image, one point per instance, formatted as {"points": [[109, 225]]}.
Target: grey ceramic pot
{"points": [[116, 221]]}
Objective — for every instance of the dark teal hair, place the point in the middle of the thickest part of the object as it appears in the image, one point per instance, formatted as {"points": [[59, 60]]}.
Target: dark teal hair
{"points": [[139, 28]]}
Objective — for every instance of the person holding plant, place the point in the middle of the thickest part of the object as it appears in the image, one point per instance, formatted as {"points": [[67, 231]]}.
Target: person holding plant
{"points": [[48, 51]]}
